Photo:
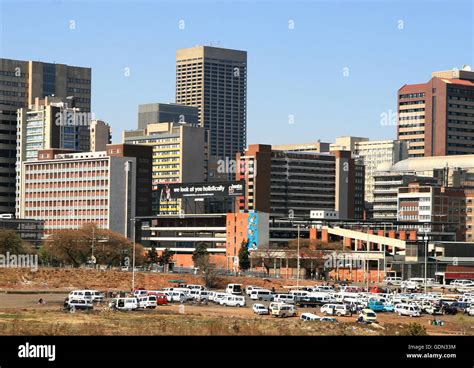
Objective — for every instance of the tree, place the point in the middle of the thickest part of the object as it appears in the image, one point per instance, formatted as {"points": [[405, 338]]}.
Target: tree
{"points": [[166, 257], [244, 256], [201, 260], [76, 246], [11, 242], [201, 256], [152, 256]]}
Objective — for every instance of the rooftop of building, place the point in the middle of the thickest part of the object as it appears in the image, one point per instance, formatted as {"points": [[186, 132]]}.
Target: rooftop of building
{"points": [[433, 162]]}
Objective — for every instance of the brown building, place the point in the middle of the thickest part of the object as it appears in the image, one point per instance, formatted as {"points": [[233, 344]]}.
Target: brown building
{"points": [[433, 208], [21, 82], [292, 183], [437, 118]]}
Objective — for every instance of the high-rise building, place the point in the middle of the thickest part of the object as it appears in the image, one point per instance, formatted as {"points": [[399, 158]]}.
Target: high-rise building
{"points": [[178, 157], [376, 155], [69, 189], [100, 135], [166, 113], [437, 118], [21, 82], [52, 123], [215, 81], [292, 183]]}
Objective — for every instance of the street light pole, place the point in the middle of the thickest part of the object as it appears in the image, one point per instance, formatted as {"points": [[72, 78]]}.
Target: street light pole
{"points": [[426, 255], [133, 256], [298, 259]]}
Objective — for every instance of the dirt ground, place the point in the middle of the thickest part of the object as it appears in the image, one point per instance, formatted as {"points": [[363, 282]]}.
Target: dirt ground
{"points": [[23, 310], [20, 312], [81, 278]]}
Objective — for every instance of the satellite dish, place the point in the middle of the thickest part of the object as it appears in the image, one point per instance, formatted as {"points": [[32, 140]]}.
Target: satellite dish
{"points": [[466, 67]]}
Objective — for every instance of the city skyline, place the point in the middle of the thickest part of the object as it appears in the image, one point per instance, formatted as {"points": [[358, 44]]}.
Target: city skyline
{"points": [[276, 112]]}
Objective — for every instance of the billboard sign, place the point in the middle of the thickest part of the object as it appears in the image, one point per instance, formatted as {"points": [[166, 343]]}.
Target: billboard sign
{"points": [[201, 190], [252, 231]]}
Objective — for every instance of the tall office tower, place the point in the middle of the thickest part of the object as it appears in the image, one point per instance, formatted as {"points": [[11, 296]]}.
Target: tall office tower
{"points": [[215, 81], [437, 118], [100, 135], [51, 123], [20, 83], [166, 113], [178, 157]]}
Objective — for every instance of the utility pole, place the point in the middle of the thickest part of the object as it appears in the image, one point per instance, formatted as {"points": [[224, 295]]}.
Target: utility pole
{"points": [[426, 256], [298, 259], [133, 256]]}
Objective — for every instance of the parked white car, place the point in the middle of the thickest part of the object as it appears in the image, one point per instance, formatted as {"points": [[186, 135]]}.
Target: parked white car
{"points": [[284, 298], [368, 315], [218, 297], [410, 285], [261, 294], [202, 295], [392, 281], [92, 295], [233, 301], [470, 310], [195, 287], [335, 309], [234, 289], [250, 288], [410, 310], [310, 317], [175, 296], [283, 310], [260, 309], [462, 282], [323, 288], [299, 293], [126, 304], [147, 302]]}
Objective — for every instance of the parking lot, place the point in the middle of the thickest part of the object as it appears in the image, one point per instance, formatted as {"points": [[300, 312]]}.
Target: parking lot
{"points": [[53, 302]]}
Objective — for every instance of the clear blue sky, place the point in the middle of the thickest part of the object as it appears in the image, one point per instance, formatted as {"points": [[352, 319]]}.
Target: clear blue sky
{"points": [[295, 72]]}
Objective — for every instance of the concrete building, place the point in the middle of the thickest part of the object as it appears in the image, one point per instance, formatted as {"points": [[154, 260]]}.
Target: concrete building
{"points": [[166, 113], [67, 190], [215, 81], [178, 157], [436, 118], [53, 123], [431, 207], [346, 143], [223, 234], [100, 135], [317, 146], [289, 183], [21, 82], [452, 171], [376, 155], [385, 192]]}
